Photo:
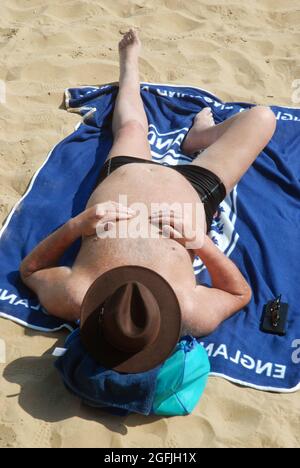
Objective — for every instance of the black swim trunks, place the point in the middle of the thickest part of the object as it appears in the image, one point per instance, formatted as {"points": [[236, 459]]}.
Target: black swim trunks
{"points": [[208, 185]]}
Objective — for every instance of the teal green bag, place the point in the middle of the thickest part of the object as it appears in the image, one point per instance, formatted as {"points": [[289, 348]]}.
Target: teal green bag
{"points": [[182, 379]]}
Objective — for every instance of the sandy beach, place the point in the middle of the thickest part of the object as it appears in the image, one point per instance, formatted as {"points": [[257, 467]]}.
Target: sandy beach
{"points": [[238, 50]]}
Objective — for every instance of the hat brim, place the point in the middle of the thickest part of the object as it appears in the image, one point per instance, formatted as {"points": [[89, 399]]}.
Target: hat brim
{"points": [[170, 325]]}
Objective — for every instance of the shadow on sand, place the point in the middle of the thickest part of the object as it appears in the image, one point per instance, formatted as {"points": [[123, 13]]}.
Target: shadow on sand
{"points": [[44, 396]]}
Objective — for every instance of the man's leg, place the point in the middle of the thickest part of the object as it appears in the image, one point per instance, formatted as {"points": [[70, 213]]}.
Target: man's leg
{"points": [[130, 124], [231, 146]]}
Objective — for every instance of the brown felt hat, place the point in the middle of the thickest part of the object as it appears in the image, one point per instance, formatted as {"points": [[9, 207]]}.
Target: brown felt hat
{"points": [[130, 319]]}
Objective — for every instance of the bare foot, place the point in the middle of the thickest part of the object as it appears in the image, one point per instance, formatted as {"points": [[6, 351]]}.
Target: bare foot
{"points": [[196, 138], [129, 47]]}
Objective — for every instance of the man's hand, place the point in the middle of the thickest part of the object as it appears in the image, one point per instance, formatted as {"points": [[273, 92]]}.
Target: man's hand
{"points": [[178, 227], [48, 252], [102, 217]]}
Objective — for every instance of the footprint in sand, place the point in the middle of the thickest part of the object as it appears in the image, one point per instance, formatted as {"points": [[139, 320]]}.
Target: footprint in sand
{"points": [[43, 436], [200, 434], [246, 73], [7, 436], [55, 439]]}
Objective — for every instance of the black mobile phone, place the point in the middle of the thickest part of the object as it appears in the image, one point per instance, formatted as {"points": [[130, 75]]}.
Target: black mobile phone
{"points": [[274, 317]]}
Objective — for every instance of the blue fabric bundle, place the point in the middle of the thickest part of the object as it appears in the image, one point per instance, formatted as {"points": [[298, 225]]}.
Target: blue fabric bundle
{"points": [[174, 388]]}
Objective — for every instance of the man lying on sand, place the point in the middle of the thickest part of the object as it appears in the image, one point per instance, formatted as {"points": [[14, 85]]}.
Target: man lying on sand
{"points": [[228, 149]]}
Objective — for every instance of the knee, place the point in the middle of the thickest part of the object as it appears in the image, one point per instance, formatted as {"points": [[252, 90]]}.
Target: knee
{"points": [[265, 112], [133, 127], [265, 117]]}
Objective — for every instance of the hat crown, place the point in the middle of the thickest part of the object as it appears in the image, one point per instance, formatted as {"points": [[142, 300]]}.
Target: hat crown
{"points": [[131, 317]]}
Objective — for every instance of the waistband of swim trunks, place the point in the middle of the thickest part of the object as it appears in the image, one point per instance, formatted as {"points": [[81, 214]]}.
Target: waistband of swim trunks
{"points": [[185, 169]]}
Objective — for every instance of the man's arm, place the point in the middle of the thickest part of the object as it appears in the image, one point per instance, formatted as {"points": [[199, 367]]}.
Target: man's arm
{"points": [[224, 273], [229, 292], [58, 288], [52, 284], [48, 252]]}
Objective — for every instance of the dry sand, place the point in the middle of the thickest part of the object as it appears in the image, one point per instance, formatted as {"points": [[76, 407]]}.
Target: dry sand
{"points": [[239, 50]]}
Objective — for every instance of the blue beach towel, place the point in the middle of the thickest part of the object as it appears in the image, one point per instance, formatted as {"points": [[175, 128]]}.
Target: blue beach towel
{"points": [[257, 225]]}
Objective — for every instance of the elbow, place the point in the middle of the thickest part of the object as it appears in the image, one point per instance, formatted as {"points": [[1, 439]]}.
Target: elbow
{"points": [[246, 295], [25, 271]]}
